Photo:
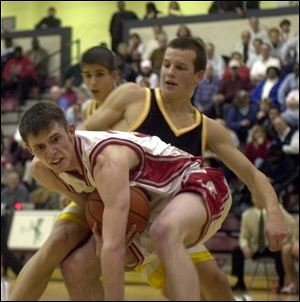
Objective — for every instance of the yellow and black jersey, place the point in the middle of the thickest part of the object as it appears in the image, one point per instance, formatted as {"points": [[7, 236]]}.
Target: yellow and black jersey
{"points": [[155, 121]]}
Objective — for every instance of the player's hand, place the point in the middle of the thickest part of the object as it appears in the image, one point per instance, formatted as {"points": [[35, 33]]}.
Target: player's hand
{"points": [[275, 230]]}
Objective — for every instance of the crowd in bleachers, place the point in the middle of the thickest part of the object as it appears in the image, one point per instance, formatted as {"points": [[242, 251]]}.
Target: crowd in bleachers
{"points": [[254, 92]]}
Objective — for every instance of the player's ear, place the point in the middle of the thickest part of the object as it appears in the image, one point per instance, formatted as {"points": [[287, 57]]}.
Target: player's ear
{"points": [[71, 129], [200, 75]]}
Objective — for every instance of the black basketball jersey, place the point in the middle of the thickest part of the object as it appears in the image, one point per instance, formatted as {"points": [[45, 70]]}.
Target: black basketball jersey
{"points": [[155, 121]]}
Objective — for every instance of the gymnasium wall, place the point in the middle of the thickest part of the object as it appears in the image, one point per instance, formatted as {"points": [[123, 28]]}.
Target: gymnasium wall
{"points": [[90, 20]]}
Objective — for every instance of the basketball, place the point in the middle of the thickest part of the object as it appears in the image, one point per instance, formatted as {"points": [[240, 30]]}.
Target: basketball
{"points": [[139, 211]]}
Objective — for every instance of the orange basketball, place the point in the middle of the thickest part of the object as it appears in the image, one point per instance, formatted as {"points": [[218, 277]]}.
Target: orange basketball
{"points": [[139, 211]]}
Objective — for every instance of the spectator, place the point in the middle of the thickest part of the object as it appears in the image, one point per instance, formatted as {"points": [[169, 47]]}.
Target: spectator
{"points": [[158, 53], [244, 71], [50, 21], [276, 43], [147, 74], [39, 57], [287, 138], [117, 24], [215, 60], [256, 30], [153, 43], [241, 115], [244, 46], [269, 87], [257, 146], [7, 52], [290, 53], [19, 75], [135, 44], [151, 11], [285, 30], [183, 32], [239, 7], [259, 68], [206, 89], [255, 52], [291, 113], [14, 190], [262, 117], [289, 83], [174, 9], [228, 89], [253, 245]]}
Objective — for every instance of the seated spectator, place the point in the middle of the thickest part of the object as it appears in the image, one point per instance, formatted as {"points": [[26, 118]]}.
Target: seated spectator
{"points": [[50, 21], [262, 117], [39, 56], [289, 83], [174, 9], [56, 96], [244, 46], [255, 52], [258, 71], [269, 87], [244, 71], [215, 60], [291, 113], [157, 55], [74, 73], [14, 190], [229, 88], [206, 89], [184, 32], [285, 30], [135, 44], [290, 253], [147, 74], [256, 149], [279, 168], [290, 54], [253, 244], [44, 199], [19, 75], [276, 43], [287, 138], [153, 43], [241, 115], [256, 30]]}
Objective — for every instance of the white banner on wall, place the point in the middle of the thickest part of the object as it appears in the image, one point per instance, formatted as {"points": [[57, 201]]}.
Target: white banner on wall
{"points": [[30, 229]]}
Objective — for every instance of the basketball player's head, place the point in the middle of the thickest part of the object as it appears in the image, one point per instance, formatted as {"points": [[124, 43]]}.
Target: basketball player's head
{"points": [[183, 66], [99, 71], [45, 131]]}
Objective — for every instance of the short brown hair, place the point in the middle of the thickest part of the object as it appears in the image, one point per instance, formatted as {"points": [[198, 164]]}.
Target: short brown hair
{"points": [[192, 44]]}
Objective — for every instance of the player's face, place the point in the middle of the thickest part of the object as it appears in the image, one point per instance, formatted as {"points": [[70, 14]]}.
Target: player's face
{"points": [[177, 73], [99, 80], [54, 147]]}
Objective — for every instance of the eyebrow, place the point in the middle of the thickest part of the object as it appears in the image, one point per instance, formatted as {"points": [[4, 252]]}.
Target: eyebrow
{"points": [[90, 71], [52, 136]]}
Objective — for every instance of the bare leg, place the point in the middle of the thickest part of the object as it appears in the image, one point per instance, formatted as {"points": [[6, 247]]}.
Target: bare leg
{"points": [[81, 271], [288, 264], [35, 275], [177, 226], [214, 284]]}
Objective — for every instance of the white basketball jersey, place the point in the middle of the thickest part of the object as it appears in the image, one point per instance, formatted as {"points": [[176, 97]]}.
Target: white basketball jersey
{"points": [[161, 167]]}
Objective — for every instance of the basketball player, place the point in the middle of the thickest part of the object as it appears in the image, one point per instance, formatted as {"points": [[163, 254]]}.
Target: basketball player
{"points": [[188, 202], [80, 270]]}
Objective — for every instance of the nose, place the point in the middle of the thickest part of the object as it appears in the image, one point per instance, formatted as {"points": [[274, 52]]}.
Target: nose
{"points": [[171, 70]]}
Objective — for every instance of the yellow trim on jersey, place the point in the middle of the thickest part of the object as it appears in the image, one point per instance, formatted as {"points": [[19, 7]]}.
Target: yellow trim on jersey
{"points": [[169, 121], [141, 118], [204, 133], [72, 217], [157, 277]]}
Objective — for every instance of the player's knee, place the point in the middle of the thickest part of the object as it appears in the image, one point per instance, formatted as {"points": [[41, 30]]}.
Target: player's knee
{"points": [[163, 233], [73, 268]]}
